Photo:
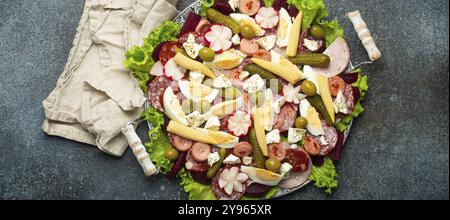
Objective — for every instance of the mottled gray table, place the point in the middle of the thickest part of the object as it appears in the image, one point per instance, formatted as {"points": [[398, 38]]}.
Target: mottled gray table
{"points": [[398, 149]]}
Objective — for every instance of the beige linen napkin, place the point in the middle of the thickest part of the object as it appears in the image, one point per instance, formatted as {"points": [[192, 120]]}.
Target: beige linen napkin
{"points": [[96, 95]]}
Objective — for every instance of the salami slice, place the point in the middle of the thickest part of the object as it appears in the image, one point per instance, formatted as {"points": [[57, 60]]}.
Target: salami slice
{"points": [[180, 143], [298, 158], [193, 165], [328, 141], [220, 193], [286, 117], [156, 90], [296, 178], [349, 97]]}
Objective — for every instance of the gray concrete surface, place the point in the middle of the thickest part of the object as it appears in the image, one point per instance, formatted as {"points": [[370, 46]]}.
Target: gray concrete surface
{"points": [[398, 149]]}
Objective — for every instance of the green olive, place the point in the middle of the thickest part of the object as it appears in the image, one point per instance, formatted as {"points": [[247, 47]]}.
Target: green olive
{"points": [[273, 165], [247, 31], [202, 106], [301, 122], [317, 32], [257, 98], [171, 154], [230, 93], [308, 88], [206, 54], [187, 105]]}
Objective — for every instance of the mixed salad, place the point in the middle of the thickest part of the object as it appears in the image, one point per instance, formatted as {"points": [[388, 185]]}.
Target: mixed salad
{"points": [[248, 97]]}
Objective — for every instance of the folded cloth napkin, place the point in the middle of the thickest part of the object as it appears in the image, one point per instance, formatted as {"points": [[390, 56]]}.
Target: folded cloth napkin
{"points": [[95, 95]]}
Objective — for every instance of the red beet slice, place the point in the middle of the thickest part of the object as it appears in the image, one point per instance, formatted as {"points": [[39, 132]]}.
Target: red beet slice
{"points": [[317, 161], [191, 23], [292, 11], [278, 4], [200, 177], [223, 7], [177, 166], [156, 51], [356, 94], [337, 151], [349, 78], [256, 190]]}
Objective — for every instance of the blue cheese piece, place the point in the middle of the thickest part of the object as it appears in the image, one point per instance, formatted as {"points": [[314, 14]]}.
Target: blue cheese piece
{"points": [[236, 40], [222, 81], [254, 84], [195, 119], [213, 158], [213, 123], [312, 45], [294, 146], [244, 75], [246, 160], [196, 77], [273, 136], [231, 159], [285, 169], [295, 135], [192, 48], [278, 103], [339, 104], [267, 42]]}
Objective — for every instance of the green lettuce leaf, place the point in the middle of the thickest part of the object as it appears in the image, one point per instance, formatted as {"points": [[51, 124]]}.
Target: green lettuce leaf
{"points": [[139, 58], [268, 3], [158, 140], [205, 5], [324, 176], [196, 191], [363, 86], [315, 12]]}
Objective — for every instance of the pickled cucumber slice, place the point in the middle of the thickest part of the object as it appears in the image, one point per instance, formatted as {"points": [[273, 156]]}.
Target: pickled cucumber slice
{"points": [[219, 18], [258, 155], [215, 167], [317, 103], [315, 60]]}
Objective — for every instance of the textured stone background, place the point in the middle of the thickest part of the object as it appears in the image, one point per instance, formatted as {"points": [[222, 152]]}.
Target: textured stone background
{"points": [[398, 149]]}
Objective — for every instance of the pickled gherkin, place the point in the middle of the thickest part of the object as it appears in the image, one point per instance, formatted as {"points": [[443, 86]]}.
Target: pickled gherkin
{"points": [[215, 167], [312, 59], [317, 103], [258, 155], [217, 17]]}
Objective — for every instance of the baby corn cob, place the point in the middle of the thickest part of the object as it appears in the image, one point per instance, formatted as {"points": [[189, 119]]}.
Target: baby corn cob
{"points": [[259, 130], [324, 89], [285, 69], [294, 36], [190, 64], [200, 135]]}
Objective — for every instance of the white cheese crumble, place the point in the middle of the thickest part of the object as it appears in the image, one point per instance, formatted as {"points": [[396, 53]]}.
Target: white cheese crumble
{"points": [[295, 135], [267, 42], [236, 40], [312, 45], [278, 103], [213, 158], [339, 104], [231, 159], [273, 136], [294, 146], [285, 169], [222, 81], [244, 75], [253, 84], [323, 141], [213, 123], [233, 4], [195, 119], [246, 160], [196, 77]]}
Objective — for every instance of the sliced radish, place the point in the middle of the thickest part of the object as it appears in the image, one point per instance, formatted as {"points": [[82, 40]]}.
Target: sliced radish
{"points": [[267, 17], [231, 180], [157, 69], [173, 71], [239, 123], [219, 38]]}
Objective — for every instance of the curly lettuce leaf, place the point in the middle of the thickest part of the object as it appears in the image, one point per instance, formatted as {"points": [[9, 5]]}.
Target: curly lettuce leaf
{"points": [[158, 140], [196, 191], [139, 58], [315, 12], [362, 84], [324, 176]]}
